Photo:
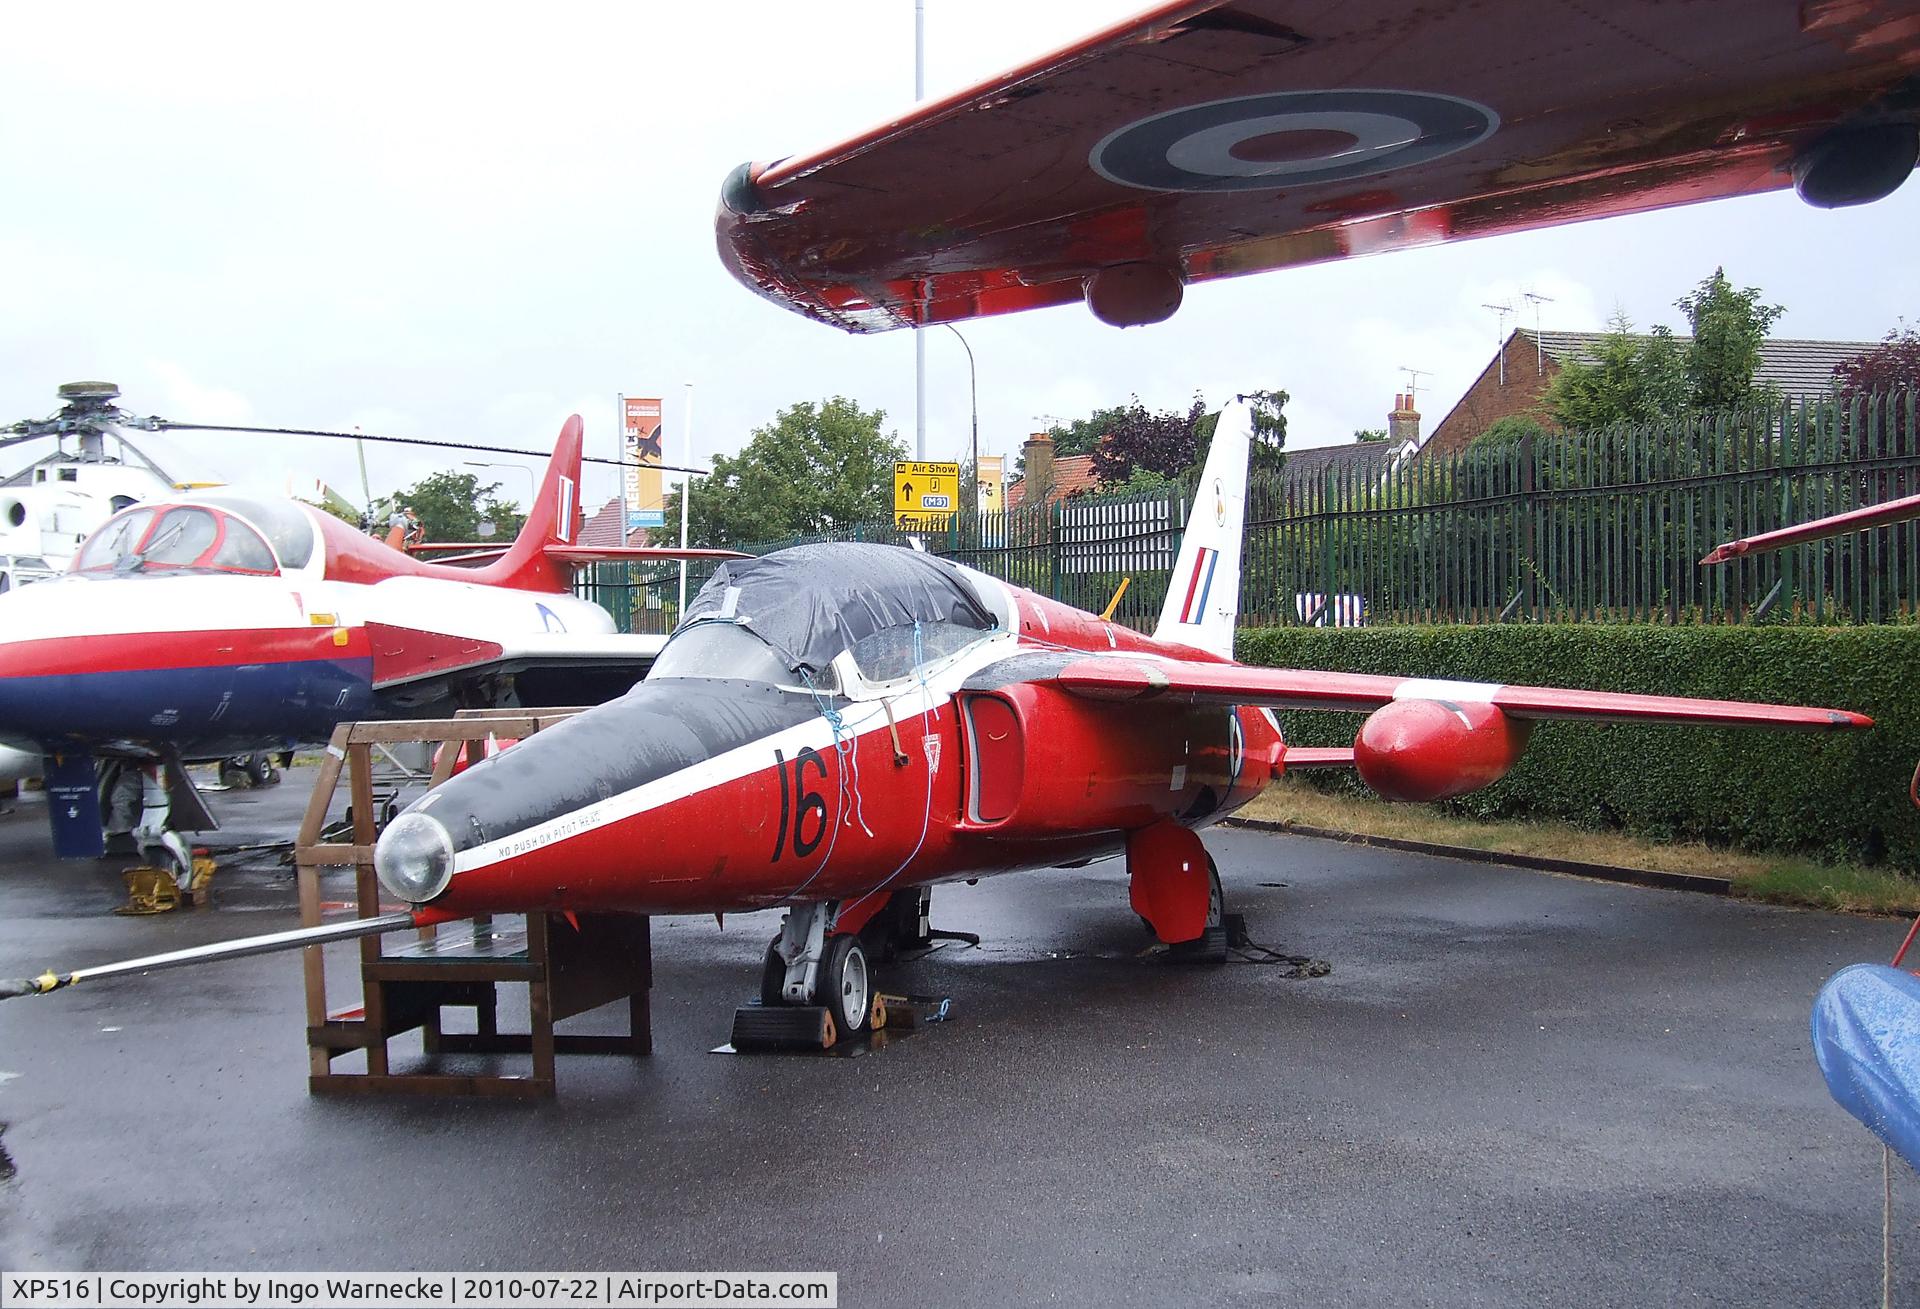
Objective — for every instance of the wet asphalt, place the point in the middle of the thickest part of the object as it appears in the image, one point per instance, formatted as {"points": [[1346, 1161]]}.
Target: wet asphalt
{"points": [[1512, 1088]]}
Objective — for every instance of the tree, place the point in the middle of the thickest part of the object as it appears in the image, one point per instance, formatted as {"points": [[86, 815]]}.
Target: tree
{"points": [[1082, 436], [1893, 365], [1724, 355], [1165, 443], [1508, 432], [1645, 379], [1369, 435], [815, 468], [1170, 443], [451, 507], [1632, 379]]}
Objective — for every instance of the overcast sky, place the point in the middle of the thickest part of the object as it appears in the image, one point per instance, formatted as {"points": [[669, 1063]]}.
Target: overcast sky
{"points": [[470, 221]]}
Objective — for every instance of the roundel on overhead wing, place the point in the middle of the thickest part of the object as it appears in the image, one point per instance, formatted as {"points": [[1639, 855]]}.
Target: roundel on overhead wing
{"points": [[1289, 138]]}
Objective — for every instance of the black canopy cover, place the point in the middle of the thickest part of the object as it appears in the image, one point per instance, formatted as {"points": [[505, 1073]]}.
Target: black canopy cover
{"points": [[813, 601]]}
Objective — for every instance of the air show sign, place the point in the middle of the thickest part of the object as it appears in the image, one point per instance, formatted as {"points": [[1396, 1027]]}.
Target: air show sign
{"points": [[925, 495]]}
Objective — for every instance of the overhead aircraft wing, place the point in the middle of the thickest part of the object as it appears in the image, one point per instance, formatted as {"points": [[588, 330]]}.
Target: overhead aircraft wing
{"points": [[1131, 677], [1203, 140], [405, 656]]}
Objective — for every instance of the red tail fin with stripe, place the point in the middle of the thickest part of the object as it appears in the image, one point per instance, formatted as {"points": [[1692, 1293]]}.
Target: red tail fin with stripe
{"points": [[553, 519]]}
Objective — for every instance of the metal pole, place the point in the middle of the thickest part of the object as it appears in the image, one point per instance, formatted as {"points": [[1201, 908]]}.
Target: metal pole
{"points": [[200, 954], [973, 397], [518, 468], [366, 489], [686, 494], [919, 334], [620, 455]]}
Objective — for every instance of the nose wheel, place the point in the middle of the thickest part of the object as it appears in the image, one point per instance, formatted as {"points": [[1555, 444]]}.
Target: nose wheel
{"points": [[814, 988], [844, 986]]}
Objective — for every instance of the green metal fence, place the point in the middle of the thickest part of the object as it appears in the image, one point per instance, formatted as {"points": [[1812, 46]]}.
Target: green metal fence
{"points": [[1605, 526]]}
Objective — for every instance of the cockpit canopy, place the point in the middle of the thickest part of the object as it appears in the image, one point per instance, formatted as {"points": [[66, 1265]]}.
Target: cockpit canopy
{"points": [[784, 618], [212, 535]]}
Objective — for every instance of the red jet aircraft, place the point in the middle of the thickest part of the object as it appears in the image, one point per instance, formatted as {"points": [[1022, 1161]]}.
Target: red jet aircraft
{"points": [[832, 724], [1203, 140]]}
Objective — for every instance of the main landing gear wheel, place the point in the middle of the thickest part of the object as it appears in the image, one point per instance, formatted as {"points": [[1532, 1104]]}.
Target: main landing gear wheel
{"points": [[1210, 947]]}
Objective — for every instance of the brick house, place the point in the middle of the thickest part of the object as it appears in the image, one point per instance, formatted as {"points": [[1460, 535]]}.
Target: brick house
{"points": [[1516, 378], [603, 528], [1047, 479]]}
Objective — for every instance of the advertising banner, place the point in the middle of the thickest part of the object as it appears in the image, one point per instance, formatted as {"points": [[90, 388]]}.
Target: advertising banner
{"points": [[993, 484], [643, 445]]}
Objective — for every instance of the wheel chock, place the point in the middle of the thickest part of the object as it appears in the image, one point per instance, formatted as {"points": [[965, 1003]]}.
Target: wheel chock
{"points": [[1210, 947], [783, 1027], [905, 1013], [199, 891], [149, 891]]}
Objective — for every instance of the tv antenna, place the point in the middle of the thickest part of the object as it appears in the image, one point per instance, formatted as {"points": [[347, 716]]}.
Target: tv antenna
{"points": [[1413, 383], [1539, 349], [1505, 311]]}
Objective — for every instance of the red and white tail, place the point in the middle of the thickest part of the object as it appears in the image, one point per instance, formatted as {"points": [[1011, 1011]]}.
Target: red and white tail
{"points": [[552, 520], [1203, 596]]}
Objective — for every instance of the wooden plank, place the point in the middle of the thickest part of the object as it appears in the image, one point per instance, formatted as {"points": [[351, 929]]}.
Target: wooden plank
{"points": [[445, 969], [366, 887], [331, 855], [323, 787], [540, 996], [519, 723], [555, 712]]}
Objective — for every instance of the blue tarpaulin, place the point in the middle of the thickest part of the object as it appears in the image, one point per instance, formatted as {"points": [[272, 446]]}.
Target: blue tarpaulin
{"points": [[1866, 1036]]}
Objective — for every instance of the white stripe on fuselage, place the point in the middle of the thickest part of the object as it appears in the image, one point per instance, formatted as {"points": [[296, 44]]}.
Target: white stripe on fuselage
{"points": [[857, 721], [79, 607]]}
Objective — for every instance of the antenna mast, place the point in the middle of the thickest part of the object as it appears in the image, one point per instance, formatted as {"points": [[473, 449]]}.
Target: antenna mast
{"points": [[1505, 311]]}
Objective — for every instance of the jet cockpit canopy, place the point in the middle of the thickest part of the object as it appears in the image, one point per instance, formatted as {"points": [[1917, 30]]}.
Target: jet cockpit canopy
{"points": [[212, 535], [785, 617]]}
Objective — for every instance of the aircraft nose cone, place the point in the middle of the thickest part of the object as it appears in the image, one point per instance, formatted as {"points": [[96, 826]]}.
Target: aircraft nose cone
{"points": [[414, 857], [525, 824]]}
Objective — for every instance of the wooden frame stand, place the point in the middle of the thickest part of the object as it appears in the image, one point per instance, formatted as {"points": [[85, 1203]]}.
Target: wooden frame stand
{"points": [[570, 964]]}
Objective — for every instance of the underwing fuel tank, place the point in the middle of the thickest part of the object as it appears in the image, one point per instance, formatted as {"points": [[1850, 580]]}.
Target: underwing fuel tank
{"points": [[1425, 750]]}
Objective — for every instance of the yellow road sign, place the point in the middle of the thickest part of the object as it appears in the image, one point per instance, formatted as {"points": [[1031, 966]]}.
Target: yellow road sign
{"points": [[925, 495]]}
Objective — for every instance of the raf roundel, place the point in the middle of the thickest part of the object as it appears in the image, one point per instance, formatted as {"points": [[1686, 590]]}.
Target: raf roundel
{"points": [[1289, 138]]}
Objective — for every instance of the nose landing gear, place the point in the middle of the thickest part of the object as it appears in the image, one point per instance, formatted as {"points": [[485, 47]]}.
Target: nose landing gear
{"points": [[815, 988]]}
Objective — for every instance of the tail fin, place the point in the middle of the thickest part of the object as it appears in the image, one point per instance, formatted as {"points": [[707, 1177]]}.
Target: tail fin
{"points": [[552, 519], [1203, 597]]}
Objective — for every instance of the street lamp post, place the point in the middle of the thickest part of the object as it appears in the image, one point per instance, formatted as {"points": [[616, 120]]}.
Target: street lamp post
{"points": [[518, 468], [973, 397]]}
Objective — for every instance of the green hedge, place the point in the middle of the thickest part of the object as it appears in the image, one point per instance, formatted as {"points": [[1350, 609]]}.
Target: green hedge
{"points": [[1838, 795]]}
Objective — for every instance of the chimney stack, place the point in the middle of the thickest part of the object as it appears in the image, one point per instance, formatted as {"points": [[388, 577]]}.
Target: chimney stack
{"points": [[1039, 469], [1403, 424]]}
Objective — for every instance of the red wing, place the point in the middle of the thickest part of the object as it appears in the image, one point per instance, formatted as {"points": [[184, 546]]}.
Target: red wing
{"points": [[1120, 678], [410, 656], [1212, 139], [1854, 520]]}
